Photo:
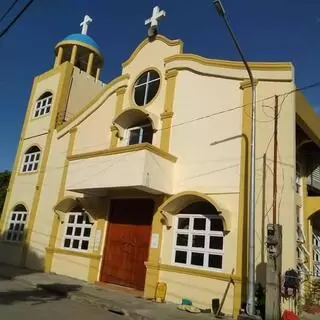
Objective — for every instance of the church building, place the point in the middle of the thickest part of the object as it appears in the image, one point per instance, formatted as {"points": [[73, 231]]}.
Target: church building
{"points": [[144, 180]]}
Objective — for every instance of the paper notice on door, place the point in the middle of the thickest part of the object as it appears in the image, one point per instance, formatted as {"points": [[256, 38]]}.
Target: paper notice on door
{"points": [[97, 240], [154, 240]]}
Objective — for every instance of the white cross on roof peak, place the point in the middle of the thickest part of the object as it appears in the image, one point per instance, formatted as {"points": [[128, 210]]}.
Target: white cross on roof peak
{"points": [[85, 23], [156, 16]]}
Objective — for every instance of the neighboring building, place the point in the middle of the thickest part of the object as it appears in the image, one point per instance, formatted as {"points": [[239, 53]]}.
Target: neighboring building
{"points": [[145, 178]]}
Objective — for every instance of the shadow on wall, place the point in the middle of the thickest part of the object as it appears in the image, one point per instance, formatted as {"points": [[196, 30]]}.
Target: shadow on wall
{"points": [[17, 253], [43, 290]]}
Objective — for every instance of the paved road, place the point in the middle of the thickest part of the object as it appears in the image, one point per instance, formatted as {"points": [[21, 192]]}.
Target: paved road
{"points": [[20, 301]]}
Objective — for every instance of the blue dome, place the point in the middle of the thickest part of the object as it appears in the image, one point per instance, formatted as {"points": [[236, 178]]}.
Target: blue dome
{"points": [[82, 38]]}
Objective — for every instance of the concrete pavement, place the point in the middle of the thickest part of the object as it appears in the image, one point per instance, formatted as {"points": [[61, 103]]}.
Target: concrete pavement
{"points": [[19, 300], [107, 299]]}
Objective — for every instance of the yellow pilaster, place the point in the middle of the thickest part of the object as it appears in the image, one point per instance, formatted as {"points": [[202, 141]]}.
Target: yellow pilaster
{"points": [[152, 274], [74, 54], [98, 74], [58, 57], [95, 261], [61, 98], [119, 105], [56, 221], [90, 62], [167, 115], [241, 264]]}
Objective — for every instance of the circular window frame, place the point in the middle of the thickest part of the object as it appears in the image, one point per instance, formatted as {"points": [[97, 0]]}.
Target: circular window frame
{"points": [[133, 102]]}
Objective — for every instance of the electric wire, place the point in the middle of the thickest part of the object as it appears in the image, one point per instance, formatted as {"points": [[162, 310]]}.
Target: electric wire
{"points": [[8, 10], [16, 18]]}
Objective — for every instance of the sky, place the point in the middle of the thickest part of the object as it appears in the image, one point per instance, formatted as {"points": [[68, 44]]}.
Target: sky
{"points": [[273, 30]]}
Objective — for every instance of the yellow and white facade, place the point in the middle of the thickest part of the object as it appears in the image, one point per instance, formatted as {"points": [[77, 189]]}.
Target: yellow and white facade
{"points": [[174, 128]]}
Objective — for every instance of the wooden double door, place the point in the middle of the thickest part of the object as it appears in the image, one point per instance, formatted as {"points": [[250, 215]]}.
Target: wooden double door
{"points": [[127, 242]]}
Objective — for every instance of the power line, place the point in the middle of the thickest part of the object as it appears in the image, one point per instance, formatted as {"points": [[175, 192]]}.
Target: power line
{"points": [[8, 10], [5, 30], [285, 95]]}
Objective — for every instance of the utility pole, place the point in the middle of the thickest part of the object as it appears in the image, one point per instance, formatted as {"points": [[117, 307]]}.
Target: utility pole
{"points": [[251, 310], [275, 162], [274, 242]]}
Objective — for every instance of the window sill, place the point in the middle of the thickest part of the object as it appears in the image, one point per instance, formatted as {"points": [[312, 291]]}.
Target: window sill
{"points": [[12, 243], [40, 117], [27, 173], [82, 254], [194, 272]]}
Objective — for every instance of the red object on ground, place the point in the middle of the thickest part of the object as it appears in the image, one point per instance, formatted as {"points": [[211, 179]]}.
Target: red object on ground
{"points": [[289, 315]]}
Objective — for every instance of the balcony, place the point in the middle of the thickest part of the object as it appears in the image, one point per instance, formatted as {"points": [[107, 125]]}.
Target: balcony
{"points": [[141, 166]]}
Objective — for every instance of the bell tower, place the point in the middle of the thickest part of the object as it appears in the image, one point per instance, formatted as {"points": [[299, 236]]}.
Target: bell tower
{"points": [[81, 51]]}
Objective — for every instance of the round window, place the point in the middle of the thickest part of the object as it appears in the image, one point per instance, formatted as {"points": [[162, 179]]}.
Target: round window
{"points": [[146, 87]]}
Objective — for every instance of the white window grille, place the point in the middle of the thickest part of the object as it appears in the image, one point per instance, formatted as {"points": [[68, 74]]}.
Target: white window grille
{"points": [[31, 160], [17, 224], [199, 241], [77, 232], [140, 134], [146, 87], [43, 104]]}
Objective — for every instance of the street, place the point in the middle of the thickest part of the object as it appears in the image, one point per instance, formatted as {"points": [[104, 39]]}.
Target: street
{"points": [[19, 300]]}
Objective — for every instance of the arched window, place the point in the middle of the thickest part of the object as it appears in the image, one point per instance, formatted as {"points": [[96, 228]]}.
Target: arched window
{"points": [[17, 223], [43, 104], [31, 159], [140, 132], [199, 237], [78, 230]]}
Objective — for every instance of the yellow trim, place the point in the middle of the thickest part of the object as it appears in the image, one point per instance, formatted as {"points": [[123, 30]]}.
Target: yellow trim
{"points": [[167, 114], [12, 243], [78, 43], [147, 115], [307, 118], [61, 97], [195, 272], [94, 100], [56, 222], [20, 203], [74, 54], [50, 73], [241, 268], [119, 105], [312, 205], [33, 118], [133, 103], [28, 173], [146, 41], [95, 263], [58, 57], [14, 173], [80, 254], [98, 73], [226, 219], [125, 149], [90, 63], [245, 84], [152, 274], [269, 66]]}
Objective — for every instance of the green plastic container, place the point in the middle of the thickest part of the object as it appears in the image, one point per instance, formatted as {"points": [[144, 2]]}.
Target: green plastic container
{"points": [[186, 302]]}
